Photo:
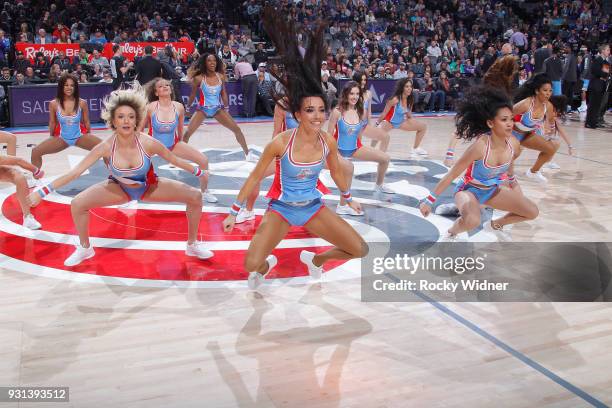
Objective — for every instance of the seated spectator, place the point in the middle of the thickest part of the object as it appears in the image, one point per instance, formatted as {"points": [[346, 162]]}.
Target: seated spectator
{"points": [[6, 74], [421, 96], [21, 62], [98, 38], [401, 72], [81, 58], [260, 54], [329, 89], [63, 61], [20, 80], [61, 32], [25, 33], [41, 65], [263, 69], [63, 38], [43, 37], [5, 46], [30, 75], [83, 77], [443, 85], [458, 85], [436, 94], [98, 59], [264, 93], [227, 56], [97, 73], [54, 73], [106, 77]]}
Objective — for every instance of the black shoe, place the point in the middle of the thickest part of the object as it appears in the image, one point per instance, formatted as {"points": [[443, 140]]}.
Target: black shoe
{"points": [[586, 125]]}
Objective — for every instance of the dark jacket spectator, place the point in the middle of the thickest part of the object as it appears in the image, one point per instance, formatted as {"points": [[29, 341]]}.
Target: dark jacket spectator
{"points": [[148, 67]]}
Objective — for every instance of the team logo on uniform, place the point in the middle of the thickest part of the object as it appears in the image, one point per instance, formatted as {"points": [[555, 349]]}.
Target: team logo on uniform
{"points": [[304, 174], [145, 245]]}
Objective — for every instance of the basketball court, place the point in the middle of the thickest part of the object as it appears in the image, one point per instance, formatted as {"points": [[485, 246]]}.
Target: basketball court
{"points": [[141, 325]]}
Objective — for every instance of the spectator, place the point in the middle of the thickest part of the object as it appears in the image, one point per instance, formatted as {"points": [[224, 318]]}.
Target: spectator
{"points": [[43, 37], [98, 59], [443, 85], [62, 61], [261, 68], [107, 78], [117, 66], [148, 67], [248, 80], [20, 79], [5, 46], [329, 89], [61, 31], [264, 96], [30, 75], [21, 63], [227, 56], [81, 58], [24, 30], [98, 38], [324, 68], [570, 75], [436, 95], [553, 67], [541, 55], [6, 74], [260, 54], [83, 77], [401, 72]]}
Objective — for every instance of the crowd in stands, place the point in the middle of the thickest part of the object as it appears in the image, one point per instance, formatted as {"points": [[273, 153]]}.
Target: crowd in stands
{"points": [[442, 44]]}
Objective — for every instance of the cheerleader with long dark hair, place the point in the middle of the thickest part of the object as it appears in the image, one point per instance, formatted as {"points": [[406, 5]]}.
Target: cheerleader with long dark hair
{"points": [[208, 79], [485, 117], [300, 154]]}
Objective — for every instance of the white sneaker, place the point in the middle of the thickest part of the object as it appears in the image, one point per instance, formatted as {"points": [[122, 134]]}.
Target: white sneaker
{"points": [[448, 237], [383, 189], [501, 235], [197, 249], [256, 279], [251, 157], [314, 271], [448, 209], [347, 210], [244, 215], [582, 108], [30, 222], [552, 166], [209, 197], [79, 255], [537, 176], [418, 151]]}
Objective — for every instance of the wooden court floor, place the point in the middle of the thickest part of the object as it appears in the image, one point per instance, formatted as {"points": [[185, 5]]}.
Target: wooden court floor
{"points": [[298, 344]]}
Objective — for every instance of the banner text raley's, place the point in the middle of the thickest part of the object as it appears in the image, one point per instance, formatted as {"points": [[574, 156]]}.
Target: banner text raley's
{"points": [[130, 49]]}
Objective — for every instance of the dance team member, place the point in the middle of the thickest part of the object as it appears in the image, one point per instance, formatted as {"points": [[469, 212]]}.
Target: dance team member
{"points": [[398, 115], [347, 123], [14, 176], [534, 117], [68, 122], [559, 103], [485, 116], [300, 155], [165, 119], [208, 79], [132, 177]]}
